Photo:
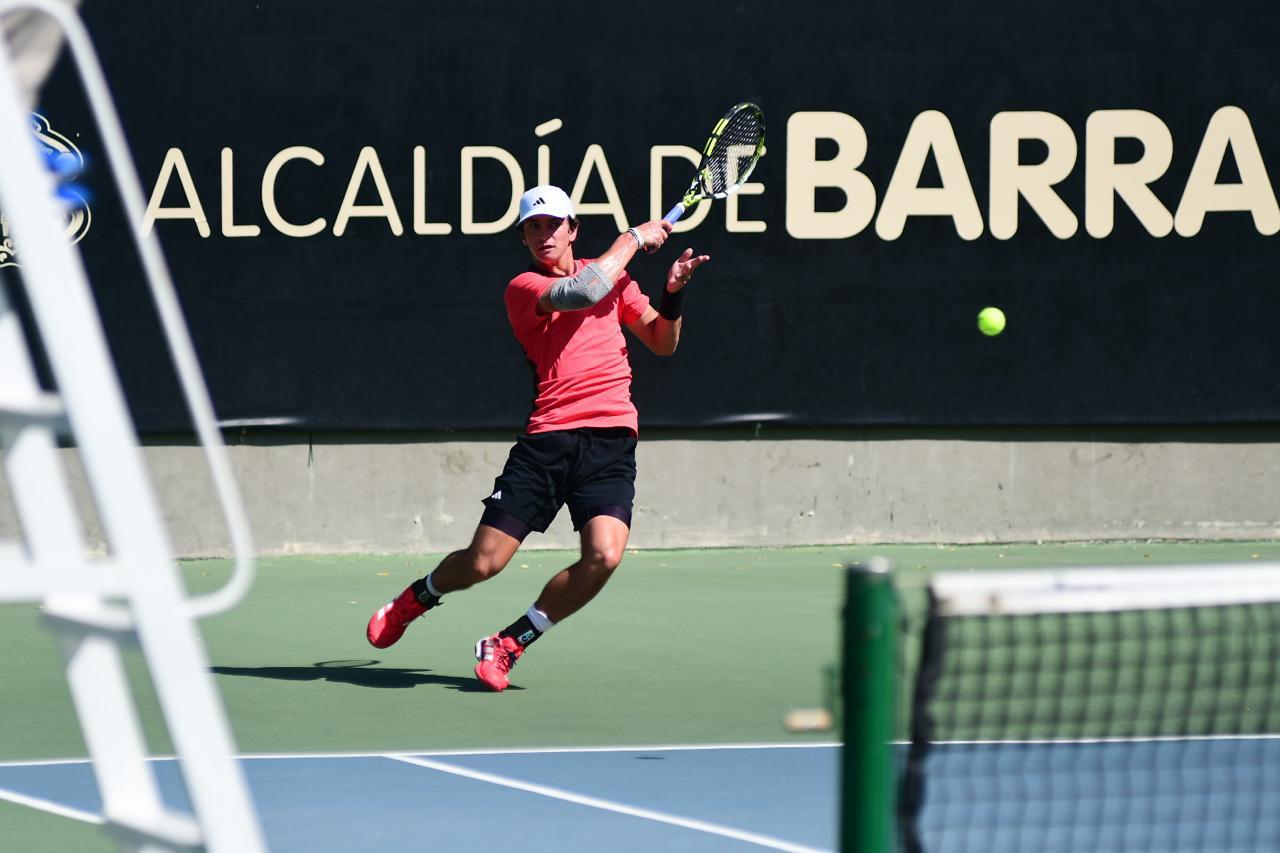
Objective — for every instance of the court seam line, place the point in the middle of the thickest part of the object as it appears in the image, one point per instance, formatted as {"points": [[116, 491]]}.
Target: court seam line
{"points": [[608, 805], [553, 750], [50, 807], [549, 750], [53, 762]]}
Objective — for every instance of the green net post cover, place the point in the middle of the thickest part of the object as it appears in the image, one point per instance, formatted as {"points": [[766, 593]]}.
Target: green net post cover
{"points": [[869, 656]]}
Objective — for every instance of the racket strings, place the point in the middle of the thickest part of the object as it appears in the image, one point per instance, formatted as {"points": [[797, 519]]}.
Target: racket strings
{"points": [[733, 157]]}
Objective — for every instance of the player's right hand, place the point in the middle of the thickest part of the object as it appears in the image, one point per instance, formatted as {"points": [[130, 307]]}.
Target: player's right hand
{"points": [[654, 233]]}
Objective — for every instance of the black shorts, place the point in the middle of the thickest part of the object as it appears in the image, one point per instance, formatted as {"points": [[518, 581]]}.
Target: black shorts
{"points": [[593, 470]]}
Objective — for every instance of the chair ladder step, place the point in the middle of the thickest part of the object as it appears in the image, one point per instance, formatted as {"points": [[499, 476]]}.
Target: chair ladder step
{"points": [[42, 408], [168, 829]]}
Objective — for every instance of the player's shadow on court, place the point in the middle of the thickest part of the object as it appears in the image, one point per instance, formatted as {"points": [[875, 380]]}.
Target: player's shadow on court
{"points": [[361, 673]]}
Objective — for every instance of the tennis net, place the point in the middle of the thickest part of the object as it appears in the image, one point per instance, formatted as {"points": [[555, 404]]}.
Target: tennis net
{"points": [[1093, 710]]}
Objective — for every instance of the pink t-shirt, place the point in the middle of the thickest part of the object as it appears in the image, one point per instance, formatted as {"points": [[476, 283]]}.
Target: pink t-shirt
{"points": [[584, 376]]}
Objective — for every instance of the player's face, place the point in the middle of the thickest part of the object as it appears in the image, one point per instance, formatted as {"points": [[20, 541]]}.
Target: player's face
{"points": [[548, 238]]}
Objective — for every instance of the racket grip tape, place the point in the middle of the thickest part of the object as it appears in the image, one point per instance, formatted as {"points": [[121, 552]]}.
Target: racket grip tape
{"points": [[674, 214]]}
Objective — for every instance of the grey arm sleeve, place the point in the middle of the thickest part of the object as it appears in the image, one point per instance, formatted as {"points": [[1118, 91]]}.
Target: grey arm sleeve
{"points": [[580, 291]]}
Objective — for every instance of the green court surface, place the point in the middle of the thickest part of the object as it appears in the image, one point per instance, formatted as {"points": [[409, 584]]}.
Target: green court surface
{"points": [[683, 647]]}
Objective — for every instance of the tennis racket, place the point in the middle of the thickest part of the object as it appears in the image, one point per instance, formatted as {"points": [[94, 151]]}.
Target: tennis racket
{"points": [[735, 146]]}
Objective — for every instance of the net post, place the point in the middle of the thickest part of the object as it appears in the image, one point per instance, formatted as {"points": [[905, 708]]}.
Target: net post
{"points": [[869, 658]]}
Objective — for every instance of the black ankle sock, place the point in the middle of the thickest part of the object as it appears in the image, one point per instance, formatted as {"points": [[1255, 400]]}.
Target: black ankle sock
{"points": [[522, 631], [424, 596]]}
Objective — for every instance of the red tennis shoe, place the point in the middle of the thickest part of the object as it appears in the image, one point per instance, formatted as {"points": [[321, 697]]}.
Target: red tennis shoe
{"points": [[388, 624], [497, 655]]}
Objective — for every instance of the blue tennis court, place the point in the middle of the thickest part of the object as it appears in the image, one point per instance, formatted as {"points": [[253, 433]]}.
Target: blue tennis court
{"points": [[715, 798]]}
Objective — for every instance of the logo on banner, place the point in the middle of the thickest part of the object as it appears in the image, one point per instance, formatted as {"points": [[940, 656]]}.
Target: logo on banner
{"points": [[62, 156]]}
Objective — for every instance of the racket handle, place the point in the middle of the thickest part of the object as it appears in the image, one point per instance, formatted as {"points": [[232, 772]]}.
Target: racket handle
{"points": [[674, 214]]}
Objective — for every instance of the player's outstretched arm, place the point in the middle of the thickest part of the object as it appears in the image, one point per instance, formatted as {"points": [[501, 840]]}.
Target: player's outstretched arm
{"points": [[648, 236], [659, 329]]}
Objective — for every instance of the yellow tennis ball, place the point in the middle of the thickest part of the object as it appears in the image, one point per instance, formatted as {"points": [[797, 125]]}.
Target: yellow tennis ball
{"points": [[991, 321]]}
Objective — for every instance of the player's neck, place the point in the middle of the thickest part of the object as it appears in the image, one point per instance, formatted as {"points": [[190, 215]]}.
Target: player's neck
{"points": [[562, 265]]}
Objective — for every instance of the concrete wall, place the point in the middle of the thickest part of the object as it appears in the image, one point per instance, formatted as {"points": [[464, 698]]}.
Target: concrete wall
{"points": [[740, 487]]}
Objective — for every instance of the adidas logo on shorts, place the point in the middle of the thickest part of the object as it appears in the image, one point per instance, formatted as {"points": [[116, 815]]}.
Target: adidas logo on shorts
{"points": [[496, 496]]}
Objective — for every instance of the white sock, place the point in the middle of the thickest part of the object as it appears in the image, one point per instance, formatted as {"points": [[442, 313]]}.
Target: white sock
{"points": [[539, 620]]}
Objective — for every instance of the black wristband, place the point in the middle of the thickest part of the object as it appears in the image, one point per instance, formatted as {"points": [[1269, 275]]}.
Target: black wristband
{"points": [[669, 307]]}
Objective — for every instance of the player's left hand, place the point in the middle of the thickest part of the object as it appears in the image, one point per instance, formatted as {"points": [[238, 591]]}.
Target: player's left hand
{"points": [[680, 272]]}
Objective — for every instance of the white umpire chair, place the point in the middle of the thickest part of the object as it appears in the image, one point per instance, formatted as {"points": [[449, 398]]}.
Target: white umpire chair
{"points": [[134, 595]]}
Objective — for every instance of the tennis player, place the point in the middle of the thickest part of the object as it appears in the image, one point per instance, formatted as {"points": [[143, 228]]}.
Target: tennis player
{"points": [[579, 445]]}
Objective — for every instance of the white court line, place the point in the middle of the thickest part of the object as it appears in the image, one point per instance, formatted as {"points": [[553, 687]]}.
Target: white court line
{"points": [[549, 750], [556, 750], [537, 750], [51, 807], [607, 805]]}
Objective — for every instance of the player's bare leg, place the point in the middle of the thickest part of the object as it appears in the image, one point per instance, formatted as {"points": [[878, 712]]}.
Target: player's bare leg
{"points": [[604, 540], [489, 552]]}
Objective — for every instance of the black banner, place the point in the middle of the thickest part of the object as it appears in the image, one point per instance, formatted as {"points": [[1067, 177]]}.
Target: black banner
{"points": [[334, 189]]}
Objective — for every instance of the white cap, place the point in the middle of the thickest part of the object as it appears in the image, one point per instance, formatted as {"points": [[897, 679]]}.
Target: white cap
{"points": [[545, 200]]}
